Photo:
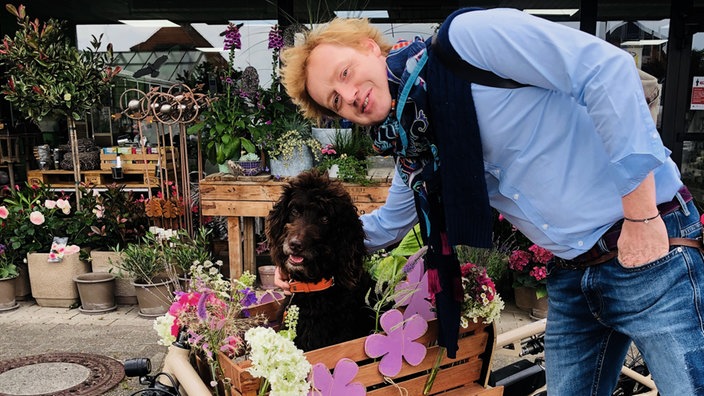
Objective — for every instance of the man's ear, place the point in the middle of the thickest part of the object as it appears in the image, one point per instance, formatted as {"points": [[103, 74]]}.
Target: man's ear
{"points": [[371, 45]]}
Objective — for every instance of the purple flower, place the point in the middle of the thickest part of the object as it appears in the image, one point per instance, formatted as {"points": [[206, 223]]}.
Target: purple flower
{"points": [[276, 39], [339, 383], [232, 37], [201, 310], [250, 297], [399, 342]]}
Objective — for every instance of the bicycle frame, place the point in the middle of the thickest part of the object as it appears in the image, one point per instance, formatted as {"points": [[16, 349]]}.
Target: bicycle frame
{"points": [[513, 340]]}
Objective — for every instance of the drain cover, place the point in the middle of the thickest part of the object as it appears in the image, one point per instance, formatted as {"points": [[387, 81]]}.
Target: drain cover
{"points": [[59, 374]]}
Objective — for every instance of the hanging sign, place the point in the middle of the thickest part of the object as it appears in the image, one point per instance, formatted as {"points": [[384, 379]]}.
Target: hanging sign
{"points": [[697, 102]]}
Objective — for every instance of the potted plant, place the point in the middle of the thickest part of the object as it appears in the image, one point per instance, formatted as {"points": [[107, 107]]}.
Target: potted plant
{"points": [[8, 273], [224, 126], [183, 251], [529, 278], [48, 75], [32, 218], [120, 219], [146, 264], [295, 151], [250, 163]]}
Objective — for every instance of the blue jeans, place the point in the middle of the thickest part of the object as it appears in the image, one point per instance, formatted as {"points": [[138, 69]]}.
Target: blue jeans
{"points": [[594, 314]]}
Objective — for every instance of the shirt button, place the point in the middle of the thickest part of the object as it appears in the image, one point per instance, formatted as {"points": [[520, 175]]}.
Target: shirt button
{"points": [[580, 243], [655, 136], [515, 196], [545, 226]]}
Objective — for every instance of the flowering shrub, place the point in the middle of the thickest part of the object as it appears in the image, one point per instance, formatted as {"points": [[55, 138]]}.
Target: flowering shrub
{"points": [[31, 216], [529, 268], [210, 313], [275, 357], [481, 302]]}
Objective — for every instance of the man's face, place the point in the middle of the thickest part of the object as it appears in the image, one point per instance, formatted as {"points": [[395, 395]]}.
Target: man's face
{"points": [[350, 81]]}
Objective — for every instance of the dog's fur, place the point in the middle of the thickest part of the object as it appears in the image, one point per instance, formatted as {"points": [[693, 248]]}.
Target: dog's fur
{"points": [[314, 232]]}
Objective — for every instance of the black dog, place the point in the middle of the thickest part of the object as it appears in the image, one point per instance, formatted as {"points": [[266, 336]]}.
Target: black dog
{"points": [[316, 238]]}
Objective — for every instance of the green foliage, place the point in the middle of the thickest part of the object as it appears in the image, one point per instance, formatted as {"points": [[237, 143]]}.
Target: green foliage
{"points": [[182, 250], [120, 218], [144, 261], [297, 134], [8, 269], [46, 73]]}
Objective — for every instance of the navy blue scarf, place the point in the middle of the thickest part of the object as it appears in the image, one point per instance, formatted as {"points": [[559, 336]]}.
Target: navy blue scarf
{"points": [[453, 212]]}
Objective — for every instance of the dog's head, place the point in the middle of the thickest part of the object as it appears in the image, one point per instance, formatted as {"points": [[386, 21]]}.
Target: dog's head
{"points": [[314, 231]]}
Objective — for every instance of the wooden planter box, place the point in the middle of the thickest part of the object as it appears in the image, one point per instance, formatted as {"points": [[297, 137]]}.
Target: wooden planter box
{"points": [[466, 375]]}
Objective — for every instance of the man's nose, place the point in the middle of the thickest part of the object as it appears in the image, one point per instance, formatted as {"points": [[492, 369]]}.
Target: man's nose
{"points": [[348, 94]]}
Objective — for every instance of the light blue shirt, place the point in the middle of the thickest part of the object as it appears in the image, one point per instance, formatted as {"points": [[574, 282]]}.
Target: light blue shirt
{"points": [[559, 154]]}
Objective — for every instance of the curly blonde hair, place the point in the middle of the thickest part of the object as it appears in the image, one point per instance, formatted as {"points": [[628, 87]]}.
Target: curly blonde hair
{"points": [[294, 60]]}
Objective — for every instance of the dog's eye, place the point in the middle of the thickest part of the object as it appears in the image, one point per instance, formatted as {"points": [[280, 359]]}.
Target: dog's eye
{"points": [[295, 213], [324, 220]]}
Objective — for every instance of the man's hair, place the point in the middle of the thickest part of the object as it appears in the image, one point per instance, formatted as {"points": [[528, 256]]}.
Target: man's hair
{"points": [[294, 60]]}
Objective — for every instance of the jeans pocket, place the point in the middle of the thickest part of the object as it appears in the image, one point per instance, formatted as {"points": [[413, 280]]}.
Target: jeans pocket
{"points": [[673, 253]]}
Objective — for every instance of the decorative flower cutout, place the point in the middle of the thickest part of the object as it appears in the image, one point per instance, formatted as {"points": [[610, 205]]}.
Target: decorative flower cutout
{"points": [[413, 293], [397, 343], [340, 383]]}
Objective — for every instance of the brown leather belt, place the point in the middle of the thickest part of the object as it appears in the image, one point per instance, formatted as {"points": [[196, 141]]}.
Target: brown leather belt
{"points": [[596, 255]]}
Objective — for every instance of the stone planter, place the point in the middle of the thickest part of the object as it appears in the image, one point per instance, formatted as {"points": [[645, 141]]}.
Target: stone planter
{"points": [[97, 292], [7, 294], [102, 261], [302, 160], [154, 298], [52, 283]]}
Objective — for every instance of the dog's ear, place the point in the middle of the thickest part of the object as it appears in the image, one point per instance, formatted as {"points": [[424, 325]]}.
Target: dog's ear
{"points": [[275, 226], [349, 240]]}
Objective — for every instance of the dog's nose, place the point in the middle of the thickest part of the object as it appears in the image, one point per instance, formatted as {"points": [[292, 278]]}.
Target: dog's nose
{"points": [[295, 245]]}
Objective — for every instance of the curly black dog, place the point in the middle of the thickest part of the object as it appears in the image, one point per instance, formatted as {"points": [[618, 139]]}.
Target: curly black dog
{"points": [[316, 238]]}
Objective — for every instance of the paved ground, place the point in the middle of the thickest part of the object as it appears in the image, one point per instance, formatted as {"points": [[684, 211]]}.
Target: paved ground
{"points": [[122, 334]]}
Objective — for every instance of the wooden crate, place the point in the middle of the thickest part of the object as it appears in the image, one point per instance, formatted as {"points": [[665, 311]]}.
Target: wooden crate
{"points": [[168, 156], [466, 375], [98, 178]]}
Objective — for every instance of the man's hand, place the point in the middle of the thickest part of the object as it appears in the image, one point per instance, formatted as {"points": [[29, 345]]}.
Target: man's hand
{"points": [[641, 243], [281, 280]]}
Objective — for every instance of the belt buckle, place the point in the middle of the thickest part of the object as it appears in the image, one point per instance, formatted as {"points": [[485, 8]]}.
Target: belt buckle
{"points": [[567, 264]]}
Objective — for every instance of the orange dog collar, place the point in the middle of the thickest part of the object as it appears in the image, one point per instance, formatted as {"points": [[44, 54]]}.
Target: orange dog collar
{"points": [[305, 287]]}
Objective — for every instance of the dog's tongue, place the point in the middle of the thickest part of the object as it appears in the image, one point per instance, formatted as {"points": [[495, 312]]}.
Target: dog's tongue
{"points": [[297, 260]]}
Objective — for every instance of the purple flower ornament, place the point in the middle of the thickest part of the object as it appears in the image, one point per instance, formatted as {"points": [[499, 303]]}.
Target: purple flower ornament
{"points": [[398, 342], [340, 383]]}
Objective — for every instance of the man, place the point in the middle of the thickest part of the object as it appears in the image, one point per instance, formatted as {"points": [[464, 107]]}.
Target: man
{"points": [[572, 159]]}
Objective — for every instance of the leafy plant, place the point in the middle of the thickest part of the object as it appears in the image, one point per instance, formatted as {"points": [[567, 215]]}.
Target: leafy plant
{"points": [[182, 251], [46, 73], [8, 269], [297, 134], [120, 218], [144, 261], [225, 126]]}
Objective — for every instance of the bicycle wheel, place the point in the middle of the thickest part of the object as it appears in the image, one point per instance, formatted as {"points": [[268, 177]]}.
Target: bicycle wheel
{"points": [[626, 385]]}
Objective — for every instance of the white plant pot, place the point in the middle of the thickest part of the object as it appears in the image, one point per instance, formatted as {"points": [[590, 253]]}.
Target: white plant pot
{"points": [[327, 135]]}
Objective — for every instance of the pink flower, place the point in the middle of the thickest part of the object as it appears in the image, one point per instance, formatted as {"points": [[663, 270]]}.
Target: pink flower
{"points": [[539, 273], [71, 249], [518, 260], [37, 218], [540, 254], [50, 204], [4, 212]]}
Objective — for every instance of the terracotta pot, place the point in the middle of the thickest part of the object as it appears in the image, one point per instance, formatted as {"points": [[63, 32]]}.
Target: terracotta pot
{"points": [[154, 298], [526, 300], [52, 283], [7, 294], [107, 261], [97, 292], [266, 276]]}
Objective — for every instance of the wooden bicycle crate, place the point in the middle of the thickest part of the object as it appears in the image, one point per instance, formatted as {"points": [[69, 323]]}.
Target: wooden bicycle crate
{"points": [[466, 375], [132, 161]]}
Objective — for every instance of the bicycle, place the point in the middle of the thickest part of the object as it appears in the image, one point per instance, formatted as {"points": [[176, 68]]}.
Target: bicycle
{"points": [[525, 378]]}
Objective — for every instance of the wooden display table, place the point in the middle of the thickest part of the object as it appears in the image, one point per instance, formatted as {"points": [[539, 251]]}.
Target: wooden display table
{"points": [[242, 201]]}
